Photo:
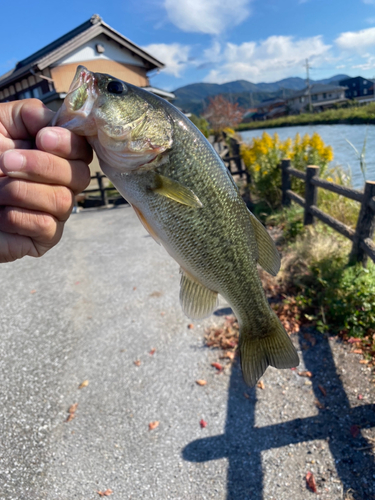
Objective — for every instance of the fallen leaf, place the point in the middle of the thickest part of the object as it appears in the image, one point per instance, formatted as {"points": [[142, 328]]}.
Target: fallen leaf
{"points": [[72, 412], [203, 423], [293, 368], [218, 366], [33, 291], [353, 340], [134, 288], [261, 385], [319, 404], [357, 351], [153, 425], [162, 313], [105, 493], [364, 361], [156, 294], [201, 382], [152, 352], [322, 390], [73, 408], [310, 480], [228, 355], [360, 396], [354, 430], [246, 395], [190, 326], [305, 374], [137, 362], [85, 383], [76, 283]]}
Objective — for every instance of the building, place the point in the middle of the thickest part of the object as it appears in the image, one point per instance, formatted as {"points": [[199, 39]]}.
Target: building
{"points": [[47, 73], [322, 97], [359, 88]]}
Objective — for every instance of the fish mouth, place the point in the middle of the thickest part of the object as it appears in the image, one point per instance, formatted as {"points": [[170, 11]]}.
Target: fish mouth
{"points": [[79, 100]]}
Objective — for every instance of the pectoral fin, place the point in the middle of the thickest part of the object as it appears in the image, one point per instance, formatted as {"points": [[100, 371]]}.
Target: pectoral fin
{"points": [[196, 300], [268, 256], [176, 191]]}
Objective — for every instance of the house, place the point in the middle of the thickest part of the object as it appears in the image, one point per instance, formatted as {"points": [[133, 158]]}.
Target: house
{"points": [[271, 108], [322, 97], [359, 88], [47, 73]]}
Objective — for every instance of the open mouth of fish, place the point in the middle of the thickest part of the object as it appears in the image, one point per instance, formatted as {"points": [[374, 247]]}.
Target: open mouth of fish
{"points": [[80, 99]]}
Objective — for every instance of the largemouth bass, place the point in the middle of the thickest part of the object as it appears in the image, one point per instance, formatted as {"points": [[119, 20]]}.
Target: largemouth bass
{"points": [[187, 200]]}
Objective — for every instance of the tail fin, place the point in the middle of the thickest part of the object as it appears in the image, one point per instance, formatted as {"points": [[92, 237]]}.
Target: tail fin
{"points": [[275, 349]]}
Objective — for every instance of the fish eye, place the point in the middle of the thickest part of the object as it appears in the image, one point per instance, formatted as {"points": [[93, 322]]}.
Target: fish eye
{"points": [[116, 87]]}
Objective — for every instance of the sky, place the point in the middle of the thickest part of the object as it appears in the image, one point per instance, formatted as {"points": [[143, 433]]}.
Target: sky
{"points": [[212, 41]]}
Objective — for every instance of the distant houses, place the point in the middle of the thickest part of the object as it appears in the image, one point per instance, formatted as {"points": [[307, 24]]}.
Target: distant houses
{"points": [[319, 96]]}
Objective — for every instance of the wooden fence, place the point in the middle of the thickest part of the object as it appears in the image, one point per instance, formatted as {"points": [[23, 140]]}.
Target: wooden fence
{"points": [[363, 246]]}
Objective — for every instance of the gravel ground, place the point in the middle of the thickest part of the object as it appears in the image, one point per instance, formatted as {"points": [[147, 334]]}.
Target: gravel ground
{"points": [[103, 299]]}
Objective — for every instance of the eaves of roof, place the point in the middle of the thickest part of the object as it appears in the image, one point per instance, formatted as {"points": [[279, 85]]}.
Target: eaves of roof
{"points": [[70, 42]]}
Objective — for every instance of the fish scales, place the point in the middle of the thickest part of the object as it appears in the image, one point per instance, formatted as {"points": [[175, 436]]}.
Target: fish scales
{"points": [[188, 201]]}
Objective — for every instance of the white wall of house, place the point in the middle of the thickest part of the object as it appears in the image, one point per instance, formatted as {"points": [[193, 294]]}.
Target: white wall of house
{"points": [[298, 104], [112, 52]]}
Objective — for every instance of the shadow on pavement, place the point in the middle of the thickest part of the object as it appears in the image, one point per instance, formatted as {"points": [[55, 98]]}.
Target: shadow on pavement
{"points": [[242, 442]]}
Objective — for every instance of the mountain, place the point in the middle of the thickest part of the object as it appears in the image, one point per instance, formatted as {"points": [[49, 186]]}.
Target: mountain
{"points": [[194, 98]]}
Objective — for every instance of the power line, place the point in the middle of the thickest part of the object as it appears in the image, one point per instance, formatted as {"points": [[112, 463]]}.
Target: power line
{"points": [[308, 84]]}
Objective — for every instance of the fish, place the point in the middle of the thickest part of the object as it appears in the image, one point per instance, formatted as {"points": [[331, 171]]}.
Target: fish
{"points": [[188, 201]]}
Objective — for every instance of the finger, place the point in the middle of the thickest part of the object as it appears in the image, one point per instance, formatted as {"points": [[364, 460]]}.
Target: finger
{"points": [[23, 119], [14, 246], [54, 200], [45, 168], [64, 143], [44, 230]]}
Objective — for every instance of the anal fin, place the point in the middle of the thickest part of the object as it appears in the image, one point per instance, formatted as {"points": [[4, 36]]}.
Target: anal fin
{"points": [[197, 301]]}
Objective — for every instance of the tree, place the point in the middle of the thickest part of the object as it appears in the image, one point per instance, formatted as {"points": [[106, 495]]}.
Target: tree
{"points": [[222, 113]]}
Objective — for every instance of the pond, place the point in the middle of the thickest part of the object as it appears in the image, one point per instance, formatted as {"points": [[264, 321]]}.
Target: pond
{"points": [[335, 136]]}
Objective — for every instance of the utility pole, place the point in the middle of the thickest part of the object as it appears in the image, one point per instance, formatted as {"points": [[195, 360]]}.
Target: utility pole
{"points": [[308, 84]]}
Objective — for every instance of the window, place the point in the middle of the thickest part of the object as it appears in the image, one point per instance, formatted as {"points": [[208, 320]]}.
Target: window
{"points": [[324, 96], [355, 93], [364, 91], [302, 99], [364, 82], [314, 97]]}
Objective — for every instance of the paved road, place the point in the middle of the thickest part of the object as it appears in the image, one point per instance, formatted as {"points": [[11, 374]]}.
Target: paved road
{"points": [[102, 299]]}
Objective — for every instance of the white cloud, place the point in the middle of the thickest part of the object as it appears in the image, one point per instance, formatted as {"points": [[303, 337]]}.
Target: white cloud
{"points": [[356, 40], [175, 56], [206, 16], [369, 2], [367, 65], [275, 58]]}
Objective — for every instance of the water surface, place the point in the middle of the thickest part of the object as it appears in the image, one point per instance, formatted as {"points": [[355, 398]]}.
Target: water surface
{"points": [[335, 136]]}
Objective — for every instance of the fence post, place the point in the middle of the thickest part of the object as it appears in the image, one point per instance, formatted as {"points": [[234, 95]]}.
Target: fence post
{"points": [[103, 192], [310, 194], [365, 225], [285, 182]]}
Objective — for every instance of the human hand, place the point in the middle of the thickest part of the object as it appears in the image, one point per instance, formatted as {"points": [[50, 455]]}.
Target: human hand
{"points": [[37, 186]]}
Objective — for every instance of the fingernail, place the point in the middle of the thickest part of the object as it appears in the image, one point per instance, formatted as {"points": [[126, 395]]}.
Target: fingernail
{"points": [[13, 161], [49, 139]]}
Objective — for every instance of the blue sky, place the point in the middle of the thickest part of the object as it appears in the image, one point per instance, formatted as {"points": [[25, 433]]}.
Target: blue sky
{"points": [[213, 41]]}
